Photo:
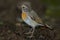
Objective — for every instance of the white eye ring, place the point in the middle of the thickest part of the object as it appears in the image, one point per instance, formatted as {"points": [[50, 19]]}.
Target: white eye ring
{"points": [[24, 6]]}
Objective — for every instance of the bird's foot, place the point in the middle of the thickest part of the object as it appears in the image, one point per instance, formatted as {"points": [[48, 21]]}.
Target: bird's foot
{"points": [[31, 32], [28, 33], [31, 36]]}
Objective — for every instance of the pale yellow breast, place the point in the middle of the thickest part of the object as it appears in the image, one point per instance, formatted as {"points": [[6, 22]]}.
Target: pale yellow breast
{"points": [[24, 15]]}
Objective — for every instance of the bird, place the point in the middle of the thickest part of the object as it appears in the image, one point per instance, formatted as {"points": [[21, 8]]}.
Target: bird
{"points": [[31, 18]]}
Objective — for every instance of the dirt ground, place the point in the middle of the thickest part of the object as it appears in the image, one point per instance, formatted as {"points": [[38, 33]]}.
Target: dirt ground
{"points": [[11, 32]]}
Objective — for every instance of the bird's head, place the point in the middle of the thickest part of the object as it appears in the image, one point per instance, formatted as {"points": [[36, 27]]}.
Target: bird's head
{"points": [[26, 7]]}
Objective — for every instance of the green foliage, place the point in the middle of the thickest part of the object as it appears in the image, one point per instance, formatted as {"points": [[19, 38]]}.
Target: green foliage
{"points": [[53, 9]]}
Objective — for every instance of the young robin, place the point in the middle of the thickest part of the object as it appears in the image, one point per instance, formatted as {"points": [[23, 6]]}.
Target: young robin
{"points": [[30, 17]]}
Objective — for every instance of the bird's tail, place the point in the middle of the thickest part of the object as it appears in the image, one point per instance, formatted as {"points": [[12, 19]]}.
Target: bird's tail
{"points": [[45, 25], [48, 26]]}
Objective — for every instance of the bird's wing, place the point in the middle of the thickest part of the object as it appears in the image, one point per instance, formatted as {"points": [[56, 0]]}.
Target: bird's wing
{"points": [[35, 17]]}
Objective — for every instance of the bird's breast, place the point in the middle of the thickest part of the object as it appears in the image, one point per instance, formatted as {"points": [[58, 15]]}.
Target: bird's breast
{"points": [[24, 15], [27, 19]]}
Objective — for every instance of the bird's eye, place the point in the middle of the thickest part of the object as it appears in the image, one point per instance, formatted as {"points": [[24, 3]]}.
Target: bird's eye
{"points": [[23, 7]]}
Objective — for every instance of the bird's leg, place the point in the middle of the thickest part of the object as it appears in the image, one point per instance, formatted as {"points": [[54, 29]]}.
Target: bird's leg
{"points": [[32, 33]]}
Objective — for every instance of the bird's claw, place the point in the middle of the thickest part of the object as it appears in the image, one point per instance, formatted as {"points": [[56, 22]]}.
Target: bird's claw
{"points": [[28, 33], [31, 36]]}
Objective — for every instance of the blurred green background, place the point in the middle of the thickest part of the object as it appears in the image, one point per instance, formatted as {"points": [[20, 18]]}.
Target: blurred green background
{"points": [[53, 8]]}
